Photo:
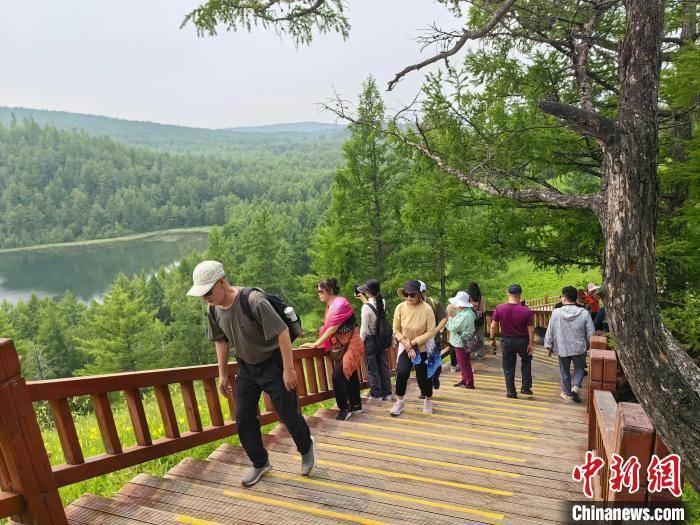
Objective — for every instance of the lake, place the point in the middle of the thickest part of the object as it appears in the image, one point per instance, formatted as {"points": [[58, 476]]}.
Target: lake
{"points": [[88, 270]]}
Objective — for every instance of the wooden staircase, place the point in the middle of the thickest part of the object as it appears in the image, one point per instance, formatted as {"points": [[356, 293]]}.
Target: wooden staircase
{"points": [[480, 458]]}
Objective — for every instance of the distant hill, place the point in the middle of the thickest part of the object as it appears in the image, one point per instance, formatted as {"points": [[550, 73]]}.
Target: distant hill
{"points": [[291, 127], [274, 139]]}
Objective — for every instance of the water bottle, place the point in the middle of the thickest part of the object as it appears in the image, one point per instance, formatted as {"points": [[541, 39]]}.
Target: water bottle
{"points": [[293, 320]]}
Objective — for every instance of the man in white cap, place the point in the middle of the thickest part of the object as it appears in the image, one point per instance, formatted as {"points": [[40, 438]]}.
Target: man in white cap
{"points": [[265, 363]]}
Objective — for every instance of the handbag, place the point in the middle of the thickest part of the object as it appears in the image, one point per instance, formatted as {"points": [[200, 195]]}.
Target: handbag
{"points": [[338, 349], [471, 344]]}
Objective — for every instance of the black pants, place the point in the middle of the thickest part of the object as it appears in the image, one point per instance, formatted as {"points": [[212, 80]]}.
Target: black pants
{"points": [[403, 371], [511, 347], [251, 381], [377, 361], [347, 391]]}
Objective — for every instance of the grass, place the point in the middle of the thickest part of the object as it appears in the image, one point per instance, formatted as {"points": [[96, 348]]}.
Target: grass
{"points": [[535, 282], [92, 242]]}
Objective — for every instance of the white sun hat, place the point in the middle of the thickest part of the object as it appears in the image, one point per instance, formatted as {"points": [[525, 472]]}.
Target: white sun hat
{"points": [[204, 277], [461, 299]]}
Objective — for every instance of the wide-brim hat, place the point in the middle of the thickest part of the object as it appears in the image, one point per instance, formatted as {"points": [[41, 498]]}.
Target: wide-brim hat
{"points": [[371, 286], [461, 299], [592, 287], [410, 287], [204, 277]]}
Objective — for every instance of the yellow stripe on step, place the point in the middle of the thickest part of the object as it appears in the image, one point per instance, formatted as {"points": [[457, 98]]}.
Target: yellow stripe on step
{"points": [[496, 384], [189, 520], [301, 508], [523, 414], [423, 461], [497, 378], [387, 495], [495, 444], [512, 404], [491, 419], [466, 452], [401, 475], [413, 422], [482, 394]]}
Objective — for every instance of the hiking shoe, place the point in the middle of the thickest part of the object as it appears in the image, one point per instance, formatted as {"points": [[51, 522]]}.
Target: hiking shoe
{"points": [[421, 396], [575, 396], [371, 399], [568, 399], [398, 407], [427, 406], [254, 474], [455, 368], [479, 354], [386, 397], [576, 389], [460, 384], [357, 409], [527, 391], [308, 460], [512, 395], [343, 415]]}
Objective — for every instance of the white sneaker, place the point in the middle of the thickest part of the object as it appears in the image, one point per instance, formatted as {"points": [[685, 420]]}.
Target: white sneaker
{"points": [[427, 406], [387, 398], [455, 368], [398, 407], [576, 389], [568, 399]]}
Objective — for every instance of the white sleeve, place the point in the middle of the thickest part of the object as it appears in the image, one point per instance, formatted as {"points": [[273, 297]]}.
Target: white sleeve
{"points": [[364, 321]]}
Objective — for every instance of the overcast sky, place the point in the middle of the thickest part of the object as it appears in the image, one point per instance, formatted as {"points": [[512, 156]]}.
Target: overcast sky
{"points": [[129, 59]]}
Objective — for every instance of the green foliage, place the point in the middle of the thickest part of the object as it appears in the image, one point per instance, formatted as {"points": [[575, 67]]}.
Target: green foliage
{"points": [[362, 226], [60, 186]]}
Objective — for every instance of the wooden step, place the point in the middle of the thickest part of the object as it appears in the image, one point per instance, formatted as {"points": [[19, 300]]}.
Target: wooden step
{"points": [[96, 510]]}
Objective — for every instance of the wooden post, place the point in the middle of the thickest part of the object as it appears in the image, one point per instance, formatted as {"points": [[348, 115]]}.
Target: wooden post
{"points": [[634, 436], [22, 446], [603, 373]]}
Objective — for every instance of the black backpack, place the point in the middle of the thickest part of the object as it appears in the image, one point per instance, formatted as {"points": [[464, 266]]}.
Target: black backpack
{"points": [[277, 304], [383, 330]]}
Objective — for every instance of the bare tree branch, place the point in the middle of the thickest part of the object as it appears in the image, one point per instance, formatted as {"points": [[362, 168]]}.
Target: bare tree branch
{"points": [[466, 35], [588, 123], [548, 194]]}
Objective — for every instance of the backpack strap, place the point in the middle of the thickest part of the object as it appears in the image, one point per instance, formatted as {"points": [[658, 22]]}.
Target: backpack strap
{"points": [[245, 303]]}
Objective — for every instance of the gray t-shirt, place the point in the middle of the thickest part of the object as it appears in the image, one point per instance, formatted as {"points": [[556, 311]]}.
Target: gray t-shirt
{"points": [[253, 342]]}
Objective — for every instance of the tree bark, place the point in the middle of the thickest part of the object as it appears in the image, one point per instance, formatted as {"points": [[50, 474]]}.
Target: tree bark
{"points": [[663, 376]]}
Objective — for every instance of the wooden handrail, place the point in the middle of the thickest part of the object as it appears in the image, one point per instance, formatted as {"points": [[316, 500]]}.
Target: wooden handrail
{"points": [[26, 467], [618, 428], [21, 497]]}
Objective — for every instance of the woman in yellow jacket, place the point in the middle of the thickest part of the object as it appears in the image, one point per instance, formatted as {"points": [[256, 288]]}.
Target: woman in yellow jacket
{"points": [[414, 323]]}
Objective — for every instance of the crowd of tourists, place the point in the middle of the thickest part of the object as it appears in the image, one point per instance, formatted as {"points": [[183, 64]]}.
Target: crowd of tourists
{"points": [[261, 328]]}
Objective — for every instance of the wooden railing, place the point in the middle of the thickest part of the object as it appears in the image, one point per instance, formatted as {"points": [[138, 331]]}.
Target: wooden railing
{"points": [[618, 428], [30, 485], [545, 303]]}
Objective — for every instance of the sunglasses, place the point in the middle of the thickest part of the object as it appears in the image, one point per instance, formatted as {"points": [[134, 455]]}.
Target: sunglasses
{"points": [[211, 291], [411, 294], [320, 291]]}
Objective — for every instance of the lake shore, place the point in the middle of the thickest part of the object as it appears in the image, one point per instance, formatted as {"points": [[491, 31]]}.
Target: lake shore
{"points": [[93, 242]]}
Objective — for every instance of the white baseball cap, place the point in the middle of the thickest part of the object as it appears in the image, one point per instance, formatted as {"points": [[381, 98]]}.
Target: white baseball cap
{"points": [[461, 299], [204, 277]]}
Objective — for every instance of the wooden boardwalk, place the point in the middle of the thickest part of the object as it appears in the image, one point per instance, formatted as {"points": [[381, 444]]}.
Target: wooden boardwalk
{"points": [[480, 458]]}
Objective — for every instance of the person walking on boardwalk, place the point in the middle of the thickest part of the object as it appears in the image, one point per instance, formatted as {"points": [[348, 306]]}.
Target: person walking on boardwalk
{"points": [[376, 333], [517, 339], [414, 323], [479, 308], [340, 337], [434, 347], [461, 328], [568, 334], [244, 318]]}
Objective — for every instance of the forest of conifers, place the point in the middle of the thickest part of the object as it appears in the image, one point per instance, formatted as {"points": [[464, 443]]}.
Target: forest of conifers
{"points": [[288, 209]]}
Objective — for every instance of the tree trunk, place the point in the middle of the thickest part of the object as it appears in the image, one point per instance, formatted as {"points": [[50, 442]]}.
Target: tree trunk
{"points": [[663, 376]]}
